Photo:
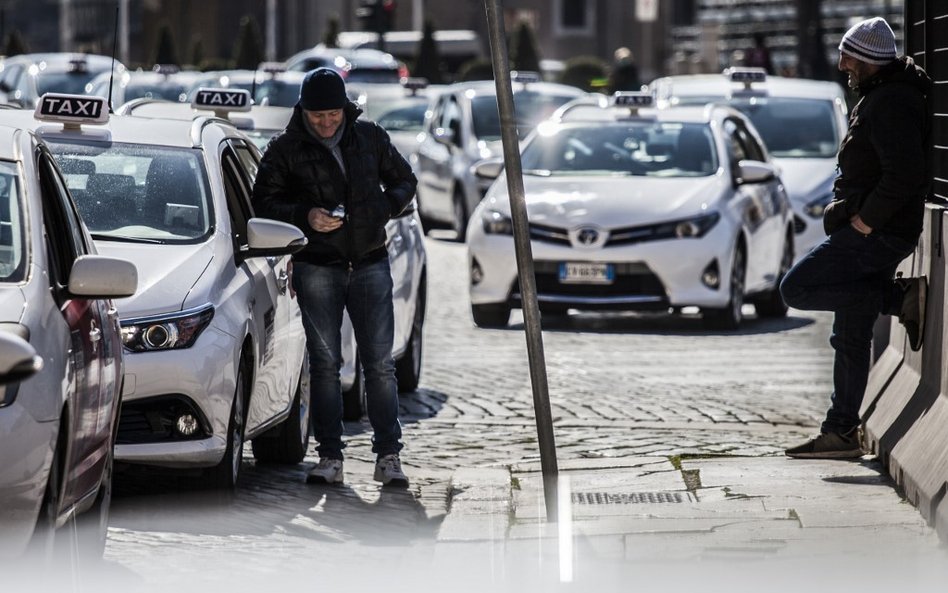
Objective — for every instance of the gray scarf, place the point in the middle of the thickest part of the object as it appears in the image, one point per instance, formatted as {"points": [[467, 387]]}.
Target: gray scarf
{"points": [[331, 143]]}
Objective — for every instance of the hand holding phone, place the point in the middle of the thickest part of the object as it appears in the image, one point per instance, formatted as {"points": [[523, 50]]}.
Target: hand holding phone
{"points": [[338, 212]]}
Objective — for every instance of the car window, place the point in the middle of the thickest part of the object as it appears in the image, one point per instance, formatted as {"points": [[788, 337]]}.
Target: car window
{"points": [[132, 192], [62, 229], [167, 91], [277, 92], [530, 108], [73, 83], [656, 149], [742, 145], [248, 160], [10, 77], [237, 188], [12, 226], [794, 128], [406, 118]]}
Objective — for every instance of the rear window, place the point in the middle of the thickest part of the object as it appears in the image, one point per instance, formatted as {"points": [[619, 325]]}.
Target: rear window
{"points": [[137, 193]]}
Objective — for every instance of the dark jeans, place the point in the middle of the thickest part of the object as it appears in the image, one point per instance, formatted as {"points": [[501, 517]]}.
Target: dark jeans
{"points": [[851, 275], [366, 293]]}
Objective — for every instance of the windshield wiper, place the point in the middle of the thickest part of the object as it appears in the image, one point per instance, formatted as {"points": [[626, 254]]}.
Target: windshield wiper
{"points": [[124, 239]]}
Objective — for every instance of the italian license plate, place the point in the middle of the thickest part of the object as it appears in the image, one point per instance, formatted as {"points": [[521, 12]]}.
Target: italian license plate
{"points": [[587, 273]]}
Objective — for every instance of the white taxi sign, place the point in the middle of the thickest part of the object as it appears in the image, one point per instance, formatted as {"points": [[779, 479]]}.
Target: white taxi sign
{"points": [[72, 109], [746, 75], [221, 100], [632, 99]]}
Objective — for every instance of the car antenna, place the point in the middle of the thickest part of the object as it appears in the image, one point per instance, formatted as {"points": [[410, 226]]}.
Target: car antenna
{"points": [[112, 70]]}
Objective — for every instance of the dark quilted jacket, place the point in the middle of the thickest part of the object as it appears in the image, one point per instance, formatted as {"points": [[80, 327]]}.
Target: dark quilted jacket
{"points": [[298, 173]]}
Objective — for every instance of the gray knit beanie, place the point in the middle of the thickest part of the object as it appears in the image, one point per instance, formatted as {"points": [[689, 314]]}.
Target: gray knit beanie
{"points": [[871, 41]]}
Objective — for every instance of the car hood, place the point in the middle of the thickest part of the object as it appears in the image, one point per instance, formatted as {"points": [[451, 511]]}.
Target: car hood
{"points": [[609, 202], [166, 274], [807, 179], [12, 303]]}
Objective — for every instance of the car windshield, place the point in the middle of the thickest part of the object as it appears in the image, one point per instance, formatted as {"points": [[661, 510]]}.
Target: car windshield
{"points": [[73, 83], [166, 91], [277, 92], [793, 128], [12, 226], [530, 108], [655, 149], [406, 117], [137, 193]]}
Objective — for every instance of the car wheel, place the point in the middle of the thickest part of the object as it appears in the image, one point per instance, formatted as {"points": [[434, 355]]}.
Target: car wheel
{"points": [[353, 399], [730, 316], [226, 473], [770, 303], [408, 367], [490, 316], [288, 443], [459, 220]]}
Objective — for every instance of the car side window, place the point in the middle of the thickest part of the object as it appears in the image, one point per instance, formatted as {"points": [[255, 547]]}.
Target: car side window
{"points": [[10, 77], [237, 190], [742, 142], [62, 228], [248, 158], [451, 118], [434, 120]]}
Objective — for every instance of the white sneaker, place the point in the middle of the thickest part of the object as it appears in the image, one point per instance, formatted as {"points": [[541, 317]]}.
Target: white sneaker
{"points": [[388, 470], [327, 471]]}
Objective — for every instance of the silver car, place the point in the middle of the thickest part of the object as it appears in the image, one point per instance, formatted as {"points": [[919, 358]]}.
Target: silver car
{"points": [[58, 422]]}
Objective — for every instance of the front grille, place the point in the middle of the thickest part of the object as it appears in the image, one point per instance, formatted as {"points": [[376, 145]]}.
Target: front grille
{"points": [[549, 234], [617, 237], [153, 420]]}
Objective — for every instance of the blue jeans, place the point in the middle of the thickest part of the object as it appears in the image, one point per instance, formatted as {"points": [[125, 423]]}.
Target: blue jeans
{"points": [[366, 293], [851, 275]]}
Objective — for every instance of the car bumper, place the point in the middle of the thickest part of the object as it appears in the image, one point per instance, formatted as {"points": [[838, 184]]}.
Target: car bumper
{"points": [[649, 276], [159, 386], [807, 231]]}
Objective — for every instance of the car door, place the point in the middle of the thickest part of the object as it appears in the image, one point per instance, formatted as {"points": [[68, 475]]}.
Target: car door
{"points": [[89, 413], [268, 277]]}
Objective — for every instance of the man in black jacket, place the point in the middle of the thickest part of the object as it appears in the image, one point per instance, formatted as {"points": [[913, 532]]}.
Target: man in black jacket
{"points": [[340, 180], [873, 223]]}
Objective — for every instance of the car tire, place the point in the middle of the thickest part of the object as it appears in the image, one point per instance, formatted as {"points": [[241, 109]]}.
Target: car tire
{"points": [[460, 215], [287, 443], [729, 317], [408, 367], [226, 474], [490, 316], [353, 399], [770, 304]]}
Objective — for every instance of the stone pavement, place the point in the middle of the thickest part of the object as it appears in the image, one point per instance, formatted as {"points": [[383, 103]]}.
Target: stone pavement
{"points": [[741, 523]]}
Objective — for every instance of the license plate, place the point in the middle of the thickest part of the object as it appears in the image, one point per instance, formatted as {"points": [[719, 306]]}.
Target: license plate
{"points": [[587, 273]]}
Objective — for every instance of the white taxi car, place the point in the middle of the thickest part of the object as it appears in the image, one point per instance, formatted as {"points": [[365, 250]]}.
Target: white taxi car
{"points": [[462, 127], [638, 209], [405, 244], [213, 338], [802, 122], [58, 416]]}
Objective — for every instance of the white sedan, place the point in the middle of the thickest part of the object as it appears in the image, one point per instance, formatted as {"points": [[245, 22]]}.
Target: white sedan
{"points": [[638, 210]]}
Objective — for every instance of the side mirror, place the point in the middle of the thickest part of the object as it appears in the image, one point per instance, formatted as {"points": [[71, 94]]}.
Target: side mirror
{"points": [[18, 359], [272, 238], [444, 136], [754, 172], [100, 277], [489, 168]]}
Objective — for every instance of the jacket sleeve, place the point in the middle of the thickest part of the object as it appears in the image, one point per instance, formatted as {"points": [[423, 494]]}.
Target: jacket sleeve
{"points": [[395, 173], [897, 135], [272, 196]]}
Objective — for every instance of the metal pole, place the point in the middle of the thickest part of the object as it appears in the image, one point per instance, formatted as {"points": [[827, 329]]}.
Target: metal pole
{"points": [[65, 31], [521, 232], [418, 15], [270, 49], [123, 31]]}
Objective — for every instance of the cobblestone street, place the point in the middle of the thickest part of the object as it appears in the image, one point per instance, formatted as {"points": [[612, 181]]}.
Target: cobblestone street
{"points": [[621, 386]]}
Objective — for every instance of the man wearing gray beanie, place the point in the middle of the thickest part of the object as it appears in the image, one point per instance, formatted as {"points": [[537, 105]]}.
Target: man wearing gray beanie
{"points": [[339, 179], [873, 223]]}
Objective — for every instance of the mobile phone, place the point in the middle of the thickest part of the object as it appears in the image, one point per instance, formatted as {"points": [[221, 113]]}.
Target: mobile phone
{"points": [[338, 212]]}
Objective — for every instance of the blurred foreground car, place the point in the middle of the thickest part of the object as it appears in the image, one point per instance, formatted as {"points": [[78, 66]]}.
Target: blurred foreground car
{"points": [[26, 77], [406, 252], [462, 127], [802, 122], [213, 340], [57, 426], [638, 209]]}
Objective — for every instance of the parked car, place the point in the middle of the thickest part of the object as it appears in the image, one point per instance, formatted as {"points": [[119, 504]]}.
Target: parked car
{"points": [[213, 340], [354, 65], [802, 122], [638, 209], [58, 411], [462, 127], [406, 252], [270, 85], [26, 77], [164, 81]]}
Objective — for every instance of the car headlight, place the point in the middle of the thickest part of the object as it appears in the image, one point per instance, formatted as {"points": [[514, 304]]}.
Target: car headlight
{"points": [[496, 223], [166, 333], [817, 206], [696, 227]]}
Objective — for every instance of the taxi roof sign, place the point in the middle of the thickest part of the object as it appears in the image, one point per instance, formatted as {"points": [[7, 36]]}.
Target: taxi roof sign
{"points": [[525, 76], [633, 99], [415, 83], [221, 101], [746, 75], [72, 110]]}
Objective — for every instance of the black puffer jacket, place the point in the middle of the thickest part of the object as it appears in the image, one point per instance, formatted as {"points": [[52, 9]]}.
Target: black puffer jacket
{"points": [[883, 161], [299, 173]]}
